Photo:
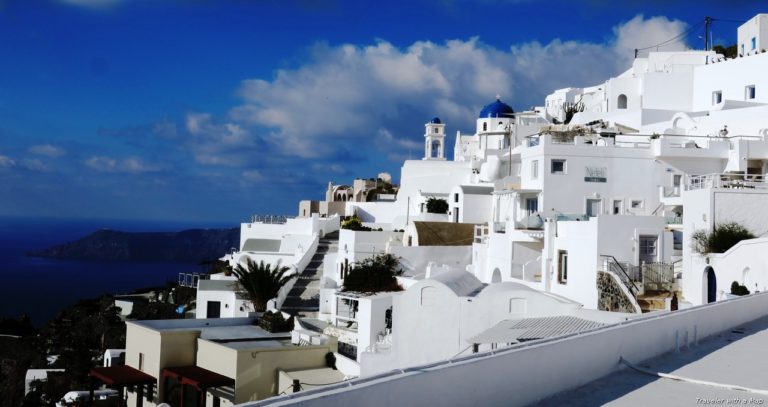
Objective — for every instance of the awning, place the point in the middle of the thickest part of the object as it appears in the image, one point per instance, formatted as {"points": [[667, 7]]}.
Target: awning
{"points": [[120, 376], [198, 377]]}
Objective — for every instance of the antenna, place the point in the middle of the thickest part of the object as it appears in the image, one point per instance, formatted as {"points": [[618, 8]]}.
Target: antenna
{"points": [[707, 21]]}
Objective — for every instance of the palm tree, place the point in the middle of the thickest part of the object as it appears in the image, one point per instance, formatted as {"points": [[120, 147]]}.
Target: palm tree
{"points": [[261, 281]]}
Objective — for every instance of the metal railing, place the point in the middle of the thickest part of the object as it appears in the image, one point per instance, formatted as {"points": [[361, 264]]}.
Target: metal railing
{"points": [[673, 220], [270, 219], [729, 180], [191, 279], [348, 350], [658, 273], [623, 272]]}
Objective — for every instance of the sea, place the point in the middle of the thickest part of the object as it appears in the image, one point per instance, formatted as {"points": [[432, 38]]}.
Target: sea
{"points": [[40, 288]]}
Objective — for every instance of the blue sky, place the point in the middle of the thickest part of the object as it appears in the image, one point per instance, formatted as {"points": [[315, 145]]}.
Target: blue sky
{"points": [[214, 110]]}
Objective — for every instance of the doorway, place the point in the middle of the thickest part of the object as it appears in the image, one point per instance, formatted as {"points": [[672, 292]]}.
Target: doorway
{"points": [[709, 272], [648, 249], [213, 309], [594, 207]]}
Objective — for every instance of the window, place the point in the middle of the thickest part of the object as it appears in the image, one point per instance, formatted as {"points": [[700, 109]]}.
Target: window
{"points": [[518, 305], [754, 43], [622, 102], [749, 92], [428, 296], [485, 126], [717, 97], [558, 166], [435, 130], [435, 149], [141, 362], [636, 204], [531, 205], [617, 206], [594, 207], [742, 49], [562, 266], [647, 249], [535, 169]]}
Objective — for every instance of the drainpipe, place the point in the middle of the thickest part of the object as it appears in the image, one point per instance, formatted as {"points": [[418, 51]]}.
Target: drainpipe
{"points": [[550, 230]]}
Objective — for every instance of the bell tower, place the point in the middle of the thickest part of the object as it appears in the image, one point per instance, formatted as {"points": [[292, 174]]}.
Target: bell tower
{"points": [[434, 140]]}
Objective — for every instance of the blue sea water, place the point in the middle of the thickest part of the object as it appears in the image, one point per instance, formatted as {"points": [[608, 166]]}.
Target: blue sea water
{"points": [[41, 287]]}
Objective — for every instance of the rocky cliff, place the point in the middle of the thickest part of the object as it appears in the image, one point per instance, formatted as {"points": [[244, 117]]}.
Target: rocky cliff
{"points": [[192, 245]]}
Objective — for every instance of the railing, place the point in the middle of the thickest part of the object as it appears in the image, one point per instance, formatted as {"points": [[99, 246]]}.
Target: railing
{"points": [[348, 350], [530, 268], [658, 273], [673, 220], [532, 141], [270, 219], [670, 192], [572, 217], [611, 264], [500, 227], [191, 279], [731, 180]]}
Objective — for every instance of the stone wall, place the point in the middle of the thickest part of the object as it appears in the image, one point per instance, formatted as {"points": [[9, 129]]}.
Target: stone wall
{"points": [[610, 295]]}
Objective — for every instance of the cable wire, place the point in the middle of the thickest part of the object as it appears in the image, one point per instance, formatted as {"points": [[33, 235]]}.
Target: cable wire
{"points": [[675, 38], [694, 381]]}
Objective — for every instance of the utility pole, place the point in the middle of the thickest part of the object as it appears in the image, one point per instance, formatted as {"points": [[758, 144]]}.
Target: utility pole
{"points": [[707, 21]]}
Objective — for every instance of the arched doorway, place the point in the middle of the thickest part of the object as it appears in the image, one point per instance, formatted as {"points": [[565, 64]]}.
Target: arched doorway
{"points": [[496, 276], [711, 284], [621, 103]]}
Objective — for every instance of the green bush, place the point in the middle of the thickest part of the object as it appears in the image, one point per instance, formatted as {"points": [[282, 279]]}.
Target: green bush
{"points": [[737, 289], [373, 275], [354, 223], [720, 239], [436, 205]]}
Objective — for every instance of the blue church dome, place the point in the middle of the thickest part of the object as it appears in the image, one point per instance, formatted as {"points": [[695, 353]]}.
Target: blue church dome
{"points": [[435, 120], [496, 109]]}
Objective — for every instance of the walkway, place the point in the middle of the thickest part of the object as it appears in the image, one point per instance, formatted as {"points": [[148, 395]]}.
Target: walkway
{"points": [[305, 296]]}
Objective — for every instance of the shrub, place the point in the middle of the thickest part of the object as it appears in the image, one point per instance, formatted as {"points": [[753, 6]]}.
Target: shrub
{"points": [[373, 275], [720, 239], [435, 205], [737, 289], [354, 223]]}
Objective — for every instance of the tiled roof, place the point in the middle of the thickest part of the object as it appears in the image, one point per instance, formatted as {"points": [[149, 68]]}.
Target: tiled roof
{"points": [[527, 329]]}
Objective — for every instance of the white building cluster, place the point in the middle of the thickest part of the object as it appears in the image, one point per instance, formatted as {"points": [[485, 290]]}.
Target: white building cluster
{"points": [[559, 220]]}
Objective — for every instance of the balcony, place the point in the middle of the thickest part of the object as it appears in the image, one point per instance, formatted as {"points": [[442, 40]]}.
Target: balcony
{"points": [[726, 181]]}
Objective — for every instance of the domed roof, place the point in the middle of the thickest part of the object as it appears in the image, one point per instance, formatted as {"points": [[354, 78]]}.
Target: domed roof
{"points": [[435, 120], [496, 109]]}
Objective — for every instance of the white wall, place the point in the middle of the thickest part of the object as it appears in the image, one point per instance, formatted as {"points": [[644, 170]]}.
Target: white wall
{"points": [[730, 77], [414, 259], [497, 375], [756, 27], [631, 174]]}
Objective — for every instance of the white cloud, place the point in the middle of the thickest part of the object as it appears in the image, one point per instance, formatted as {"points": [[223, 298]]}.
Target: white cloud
{"points": [[399, 148], [131, 165], [6, 162], [253, 176], [348, 93], [223, 144], [47, 150], [34, 164]]}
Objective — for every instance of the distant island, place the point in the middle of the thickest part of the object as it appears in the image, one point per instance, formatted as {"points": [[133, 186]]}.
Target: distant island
{"points": [[194, 245]]}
